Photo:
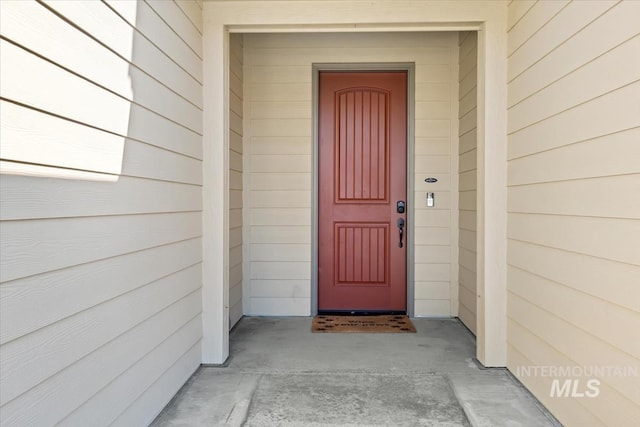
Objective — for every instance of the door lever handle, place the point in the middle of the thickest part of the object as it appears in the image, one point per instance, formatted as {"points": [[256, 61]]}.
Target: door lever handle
{"points": [[401, 228]]}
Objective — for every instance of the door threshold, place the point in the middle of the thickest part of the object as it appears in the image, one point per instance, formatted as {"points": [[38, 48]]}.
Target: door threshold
{"points": [[360, 312]]}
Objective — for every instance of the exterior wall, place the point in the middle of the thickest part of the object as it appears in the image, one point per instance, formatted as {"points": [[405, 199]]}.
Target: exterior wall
{"points": [[101, 209], [574, 214], [278, 161], [235, 179], [468, 173]]}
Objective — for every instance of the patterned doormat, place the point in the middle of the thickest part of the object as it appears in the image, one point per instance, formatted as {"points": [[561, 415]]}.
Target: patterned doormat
{"points": [[366, 324]]}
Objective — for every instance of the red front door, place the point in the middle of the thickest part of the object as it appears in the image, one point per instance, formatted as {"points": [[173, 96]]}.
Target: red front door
{"points": [[362, 177]]}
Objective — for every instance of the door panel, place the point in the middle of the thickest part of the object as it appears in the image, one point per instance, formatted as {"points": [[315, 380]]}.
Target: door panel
{"points": [[362, 175]]}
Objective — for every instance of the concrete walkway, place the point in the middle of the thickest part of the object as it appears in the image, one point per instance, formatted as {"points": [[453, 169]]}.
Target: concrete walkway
{"points": [[281, 374]]}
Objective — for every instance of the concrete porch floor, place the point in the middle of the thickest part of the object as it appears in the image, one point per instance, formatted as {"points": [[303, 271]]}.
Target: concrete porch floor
{"points": [[281, 374]]}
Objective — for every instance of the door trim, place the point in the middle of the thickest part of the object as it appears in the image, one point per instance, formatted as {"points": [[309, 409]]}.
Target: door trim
{"points": [[409, 67]]}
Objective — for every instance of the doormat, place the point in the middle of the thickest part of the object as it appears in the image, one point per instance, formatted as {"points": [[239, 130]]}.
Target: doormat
{"points": [[363, 324]]}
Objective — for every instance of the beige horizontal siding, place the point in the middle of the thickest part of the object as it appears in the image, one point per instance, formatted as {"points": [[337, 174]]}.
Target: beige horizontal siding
{"points": [[78, 338], [569, 90], [467, 195], [236, 185], [72, 93], [29, 24], [574, 220], [147, 21], [570, 127], [517, 10], [171, 13], [101, 199], [193, 11], [606, 155], [557, 22], [127, 196], [149, 94], [278, 162], [50, 244], [26, 302], [611, 29]]}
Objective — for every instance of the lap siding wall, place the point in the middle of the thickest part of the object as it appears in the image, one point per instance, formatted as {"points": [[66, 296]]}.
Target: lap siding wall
{"points": [[574, 214], [101, 209]]}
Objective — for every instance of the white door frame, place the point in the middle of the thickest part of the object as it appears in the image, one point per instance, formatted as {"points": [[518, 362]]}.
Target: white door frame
{"points": [[486, 17]]}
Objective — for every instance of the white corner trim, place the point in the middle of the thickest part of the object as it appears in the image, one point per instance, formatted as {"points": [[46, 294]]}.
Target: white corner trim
{"points": [[215, 196]]}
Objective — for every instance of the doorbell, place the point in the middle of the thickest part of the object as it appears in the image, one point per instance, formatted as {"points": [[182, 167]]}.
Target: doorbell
{"points": [[430, 200]]}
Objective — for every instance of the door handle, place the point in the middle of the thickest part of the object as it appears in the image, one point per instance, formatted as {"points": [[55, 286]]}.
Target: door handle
{"points": [[401, 228]]}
